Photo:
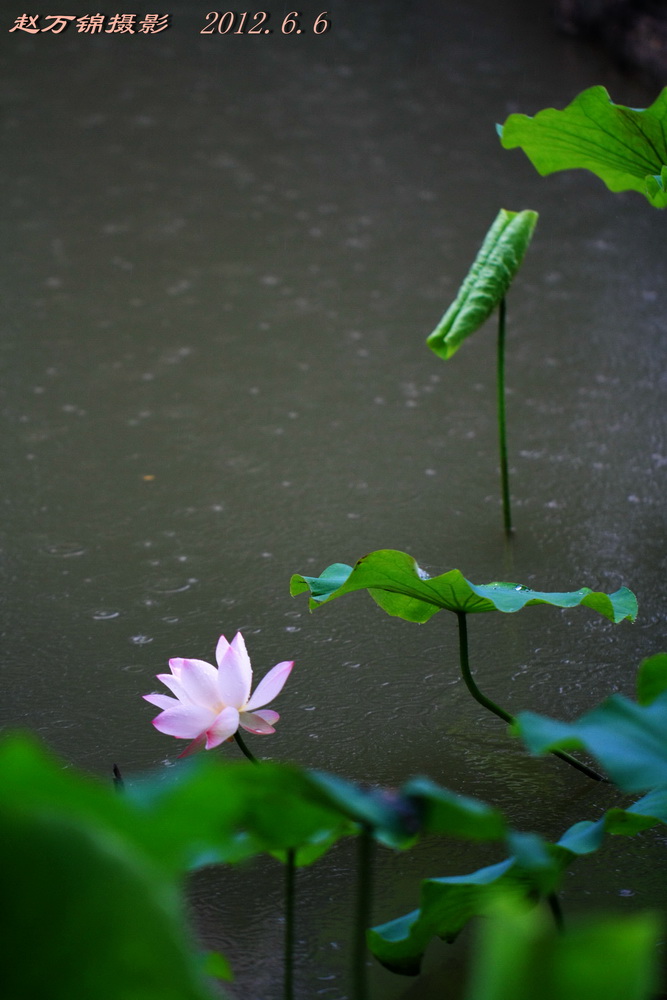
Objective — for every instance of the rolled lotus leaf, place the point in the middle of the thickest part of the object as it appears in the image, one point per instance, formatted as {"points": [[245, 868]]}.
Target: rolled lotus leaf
{"points": [[487, 281]]}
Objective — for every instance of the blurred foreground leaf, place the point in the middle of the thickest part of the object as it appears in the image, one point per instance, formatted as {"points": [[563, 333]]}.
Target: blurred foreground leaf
{"points": [[629, 740], [652, 678], [85, 914], [521, 956]]}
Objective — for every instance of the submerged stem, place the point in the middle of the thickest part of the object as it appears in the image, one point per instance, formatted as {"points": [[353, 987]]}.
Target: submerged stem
{"points": [[243, 748], [502, 422], [363, 913], [496, 709]]}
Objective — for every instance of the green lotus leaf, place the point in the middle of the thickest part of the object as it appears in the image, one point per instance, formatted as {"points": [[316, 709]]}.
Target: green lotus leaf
{"points": [[520, 955], [487, 281], [447, 904], [32, 778], [397, 583], [587, 836], [445, 812], [229, 811], [652, 678], [391, 818], [216, 965], [83, 871], [420, 806], [625, 147], [629, 740], [534, 869], [111, 926]]}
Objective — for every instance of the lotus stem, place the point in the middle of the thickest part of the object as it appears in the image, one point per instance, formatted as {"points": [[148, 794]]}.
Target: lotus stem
{"points": [[290, 871], [467, 675], [502, 421], [363, 913], [243, 748], [118, 782], [556, 911], [496, 709]]}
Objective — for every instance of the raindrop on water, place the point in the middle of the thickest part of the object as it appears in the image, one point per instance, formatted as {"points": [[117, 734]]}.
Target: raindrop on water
{"points": [[64, 550], [170, 585]]}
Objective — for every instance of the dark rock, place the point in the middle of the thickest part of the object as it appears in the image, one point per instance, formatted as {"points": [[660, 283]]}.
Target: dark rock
{"points": [[633, 31]]}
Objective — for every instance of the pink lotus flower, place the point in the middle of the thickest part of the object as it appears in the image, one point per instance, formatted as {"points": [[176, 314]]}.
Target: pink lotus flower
{"points": [[211, 704]]}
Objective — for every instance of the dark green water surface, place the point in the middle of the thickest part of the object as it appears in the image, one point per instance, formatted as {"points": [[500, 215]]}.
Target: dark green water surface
{"points": [[222, 257]]}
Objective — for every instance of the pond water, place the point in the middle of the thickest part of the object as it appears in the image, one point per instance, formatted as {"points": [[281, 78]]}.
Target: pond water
{"points": [[225, 254]]}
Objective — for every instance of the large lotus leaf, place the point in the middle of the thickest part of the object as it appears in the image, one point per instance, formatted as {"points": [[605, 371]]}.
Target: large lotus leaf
{"points": [[534, 869], [419, 806], [228, 811], [396, 582], [203, 810], [629, 740], [587, 836], [84, 914], [487, 281], [208, 810], [521, 956], [31, 778], [447, 904], [625, 147]]}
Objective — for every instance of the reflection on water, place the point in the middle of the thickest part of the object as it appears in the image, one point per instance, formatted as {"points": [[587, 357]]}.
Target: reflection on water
{"points": [[226, 255]]}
